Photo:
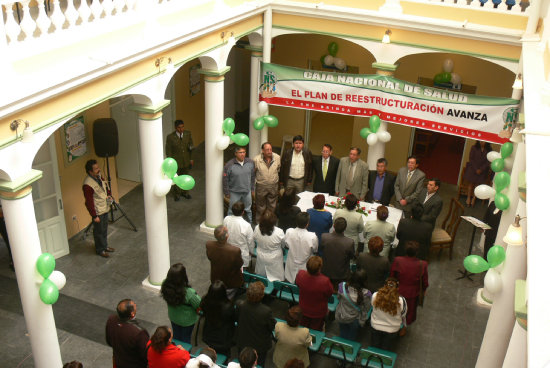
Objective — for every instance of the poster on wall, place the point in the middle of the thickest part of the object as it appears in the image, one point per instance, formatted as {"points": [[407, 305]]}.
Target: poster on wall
{"points": [[194, 80], [490, 119], [75, 139]]}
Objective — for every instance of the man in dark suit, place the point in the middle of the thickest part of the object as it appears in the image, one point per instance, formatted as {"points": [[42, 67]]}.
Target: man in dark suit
{"points": [[381, 183], [338, 250], [408, 184], [431, 200], [225, 261], [414, 229], [296, 170], [325, 168], [179, 146]]}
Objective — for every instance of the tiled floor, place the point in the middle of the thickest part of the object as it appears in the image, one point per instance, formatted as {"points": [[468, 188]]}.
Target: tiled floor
{"points": [[447, 333]]}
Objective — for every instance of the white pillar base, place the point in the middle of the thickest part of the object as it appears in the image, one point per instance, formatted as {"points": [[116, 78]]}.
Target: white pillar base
{"points": [[481, 300], [206, 229], [146, 284]]}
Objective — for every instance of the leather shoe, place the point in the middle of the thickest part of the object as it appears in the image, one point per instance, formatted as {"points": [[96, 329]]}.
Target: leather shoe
{"points": [[104, 254], [109, 249], [187, 196]]}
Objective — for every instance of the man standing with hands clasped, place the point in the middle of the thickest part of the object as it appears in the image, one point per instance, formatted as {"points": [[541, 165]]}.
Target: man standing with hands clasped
{"points": [[179, 146], [239, 180], [409, 183], [353, 175], [98, 200]]}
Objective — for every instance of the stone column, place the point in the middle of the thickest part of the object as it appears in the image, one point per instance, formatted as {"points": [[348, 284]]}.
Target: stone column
{"points": [[156, 218], [266, 57], [377, 150], [213, 91], [254, 147], [22, 229]]}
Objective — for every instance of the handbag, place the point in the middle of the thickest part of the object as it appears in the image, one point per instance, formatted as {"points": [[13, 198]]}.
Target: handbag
{"points": [[421, 295]]}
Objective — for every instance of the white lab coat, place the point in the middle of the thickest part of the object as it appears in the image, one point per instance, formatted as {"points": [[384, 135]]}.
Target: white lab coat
{"points": [[269, 261], [301, 244], [240, 235]]}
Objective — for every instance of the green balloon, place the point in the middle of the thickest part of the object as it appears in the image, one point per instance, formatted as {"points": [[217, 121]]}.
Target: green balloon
{"points": [[240, 139], [446, 77], [502, 180], [475, 264], [374, 123], [364, 133], [506, 149], [228, 126], [439, 78], [169, 167], [259, 123], [185, 182], [271, 121], [332, 48], [45, 264], [48, 292], [497, 165], [496, 255], [502, 202]]}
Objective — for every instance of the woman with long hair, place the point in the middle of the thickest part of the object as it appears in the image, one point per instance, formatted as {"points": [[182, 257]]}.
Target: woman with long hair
{"points": [[182, 301], [354, 304], [162, 353], [219, 318], [287, 210], [354, 219], [270, 242], [388, 313], [477, 168]]}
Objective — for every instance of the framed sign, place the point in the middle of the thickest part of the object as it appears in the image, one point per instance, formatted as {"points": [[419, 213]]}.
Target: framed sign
{"points": [[76, 143]]}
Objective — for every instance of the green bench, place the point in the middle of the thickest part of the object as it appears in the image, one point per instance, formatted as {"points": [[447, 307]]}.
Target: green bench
{"points": [[377, 358], [291, 293], [341, 349], [252, 277]]}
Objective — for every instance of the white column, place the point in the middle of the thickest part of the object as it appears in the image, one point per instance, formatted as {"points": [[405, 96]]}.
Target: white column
{"points": [[213, 95], [266, 33], [516, 356], [25, 246], [254, 146], [378, 150], [156, 218]]}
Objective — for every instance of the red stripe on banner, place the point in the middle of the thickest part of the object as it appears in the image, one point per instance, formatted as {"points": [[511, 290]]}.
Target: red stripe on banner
{"points": [[389, 117]]}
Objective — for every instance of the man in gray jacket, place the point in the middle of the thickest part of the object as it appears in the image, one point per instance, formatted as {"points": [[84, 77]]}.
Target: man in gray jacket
{"points": [[238, 181]]}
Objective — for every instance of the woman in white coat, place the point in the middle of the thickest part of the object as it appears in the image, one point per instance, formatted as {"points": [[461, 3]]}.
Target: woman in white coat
{"points": [[270, 242], [301, 244]]}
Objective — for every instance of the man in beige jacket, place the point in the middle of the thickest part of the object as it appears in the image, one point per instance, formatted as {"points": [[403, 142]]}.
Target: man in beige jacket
{"points": [[267, 165]]}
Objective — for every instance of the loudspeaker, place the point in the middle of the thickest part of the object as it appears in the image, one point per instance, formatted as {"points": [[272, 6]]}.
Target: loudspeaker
{"points": [[105, 137]]}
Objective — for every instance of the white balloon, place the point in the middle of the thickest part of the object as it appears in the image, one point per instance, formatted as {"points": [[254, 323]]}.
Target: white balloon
{"points": [[508, 163], [383, 136], [500, 267], [484, 191], [448, 65], [372, 139], [329, 60], [493, 155], [340, 63], [223, 142], [162, 187], [455, 79], [58, 278], [262, 108], [493, 281]]}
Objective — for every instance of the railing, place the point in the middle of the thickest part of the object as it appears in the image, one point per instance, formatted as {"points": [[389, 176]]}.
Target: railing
{"points": [[517, 6]]}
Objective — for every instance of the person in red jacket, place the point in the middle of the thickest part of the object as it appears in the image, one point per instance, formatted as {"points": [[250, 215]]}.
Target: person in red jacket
{"points": [[163, 353], [315, 291]]}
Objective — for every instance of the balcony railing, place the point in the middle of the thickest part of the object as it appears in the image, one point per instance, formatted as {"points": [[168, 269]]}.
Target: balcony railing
{"points": [[517, 6]]}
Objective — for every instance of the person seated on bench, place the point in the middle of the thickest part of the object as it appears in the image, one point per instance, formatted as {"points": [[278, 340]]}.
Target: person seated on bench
{"points": [[301, 244], [292, 341], [206, 359], [315, 291], [389, 310]]}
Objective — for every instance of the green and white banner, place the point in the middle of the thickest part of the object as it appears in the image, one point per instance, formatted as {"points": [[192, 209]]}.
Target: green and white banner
{"points": [[490, 119]]}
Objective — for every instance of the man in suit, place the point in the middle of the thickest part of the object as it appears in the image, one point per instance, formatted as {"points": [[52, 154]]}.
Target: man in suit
{"points": [[225, 261], [431, 200], [381, 183], [338, 250], [413, 228], [296, 170], [179, 146], [267, 165], [353, 175], [409, 183], [325, 168]]}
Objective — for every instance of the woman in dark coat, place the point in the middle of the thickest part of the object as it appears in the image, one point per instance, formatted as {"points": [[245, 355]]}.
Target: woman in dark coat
{"points": [[219, 318], [477, 168], [409, 270], [320, 220], [286, 210]]}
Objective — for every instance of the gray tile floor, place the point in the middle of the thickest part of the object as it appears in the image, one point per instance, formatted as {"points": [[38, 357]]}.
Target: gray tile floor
{"points": [[448, 331]]}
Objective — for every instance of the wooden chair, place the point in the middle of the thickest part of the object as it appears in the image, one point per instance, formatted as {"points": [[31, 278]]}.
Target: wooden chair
{"points": [[445, 236]]}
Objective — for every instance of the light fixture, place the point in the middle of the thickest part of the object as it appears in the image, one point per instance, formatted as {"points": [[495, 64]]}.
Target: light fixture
{"points": [[514, 235], [27, 132], [518, 83], [386, 38], [159, 61]]}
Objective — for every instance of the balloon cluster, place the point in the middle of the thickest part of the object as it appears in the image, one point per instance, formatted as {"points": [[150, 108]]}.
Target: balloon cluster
{"points": [[170, 168], [495, 258], [228, 127], [447, 75], [264, 119], [330, 59], [371, 134], [499, 161], [53, 280]]}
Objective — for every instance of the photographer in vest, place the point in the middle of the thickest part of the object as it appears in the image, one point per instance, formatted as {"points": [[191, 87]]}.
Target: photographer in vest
{"points": [[98, 201]]}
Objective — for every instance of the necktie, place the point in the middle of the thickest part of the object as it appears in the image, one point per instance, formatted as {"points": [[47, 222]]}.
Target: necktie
{"points": [[325, 168], [349, 179], [409, 175]]}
